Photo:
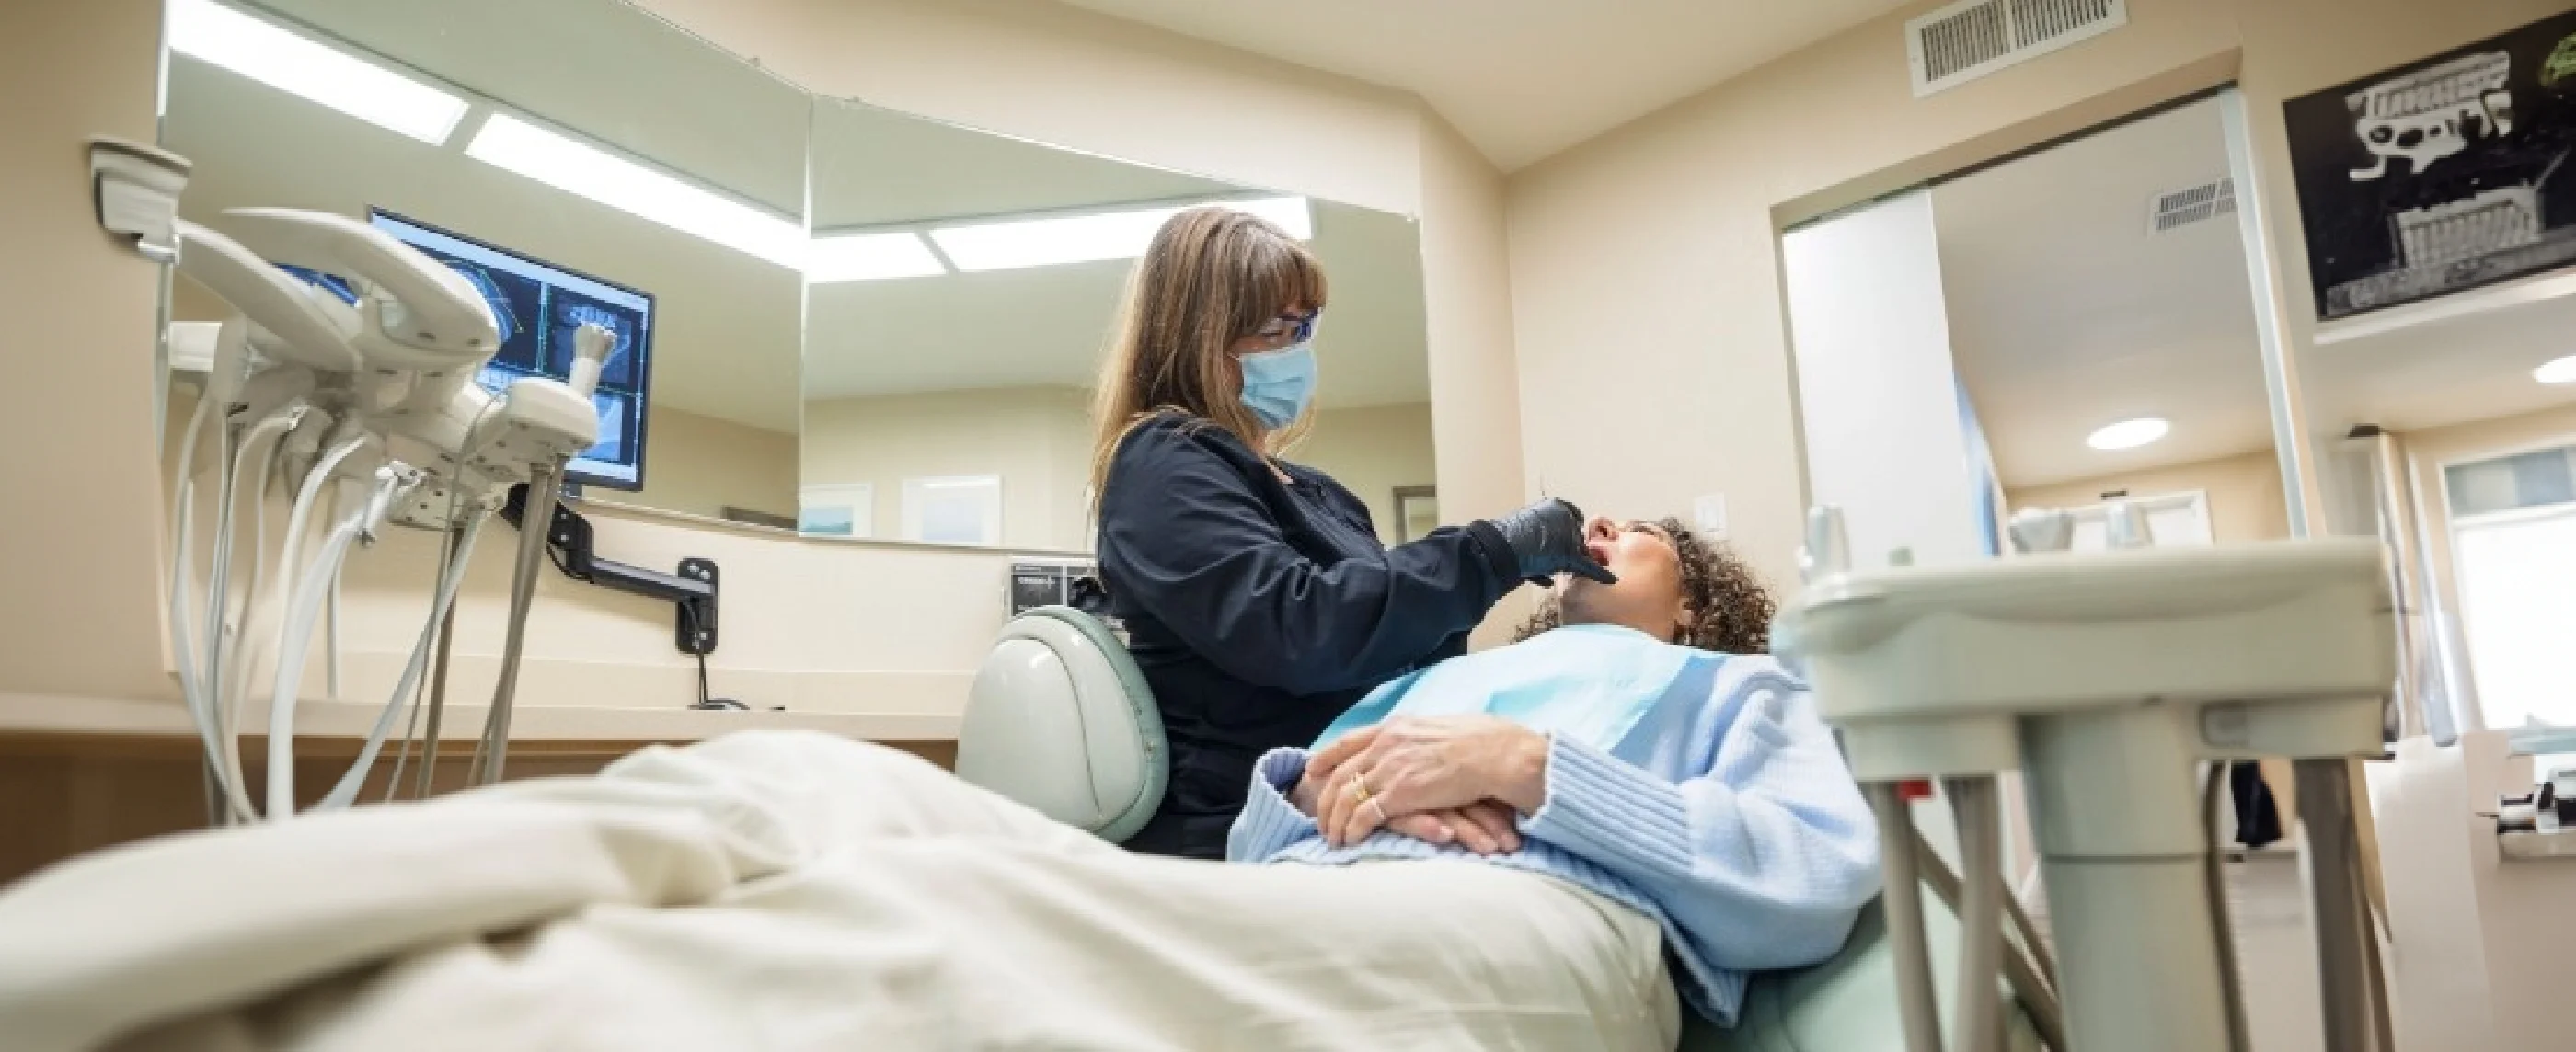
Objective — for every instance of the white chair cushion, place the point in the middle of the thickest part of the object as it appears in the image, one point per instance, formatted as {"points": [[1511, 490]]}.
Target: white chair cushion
{"points": [[1060, 719]]}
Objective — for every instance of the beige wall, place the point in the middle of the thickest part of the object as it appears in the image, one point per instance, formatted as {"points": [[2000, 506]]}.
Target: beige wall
{"points": [[1038, 439], [1371, 451], [76, 453], [699, 465], [1475, 392], [2244, 492]]}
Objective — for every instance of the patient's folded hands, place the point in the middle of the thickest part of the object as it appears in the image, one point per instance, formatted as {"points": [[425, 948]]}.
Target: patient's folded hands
{"points": [[1487, 827], [1449, 779]]}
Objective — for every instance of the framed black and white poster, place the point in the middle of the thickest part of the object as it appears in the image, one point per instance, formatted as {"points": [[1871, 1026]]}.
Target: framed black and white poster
{"points": [[2442, 175]]}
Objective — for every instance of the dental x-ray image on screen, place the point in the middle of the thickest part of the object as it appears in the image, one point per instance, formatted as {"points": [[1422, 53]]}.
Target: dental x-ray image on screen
{"points": [[540, 306]]}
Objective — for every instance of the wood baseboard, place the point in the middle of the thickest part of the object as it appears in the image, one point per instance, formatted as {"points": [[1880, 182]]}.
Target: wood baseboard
{"points": [[65, 793]]}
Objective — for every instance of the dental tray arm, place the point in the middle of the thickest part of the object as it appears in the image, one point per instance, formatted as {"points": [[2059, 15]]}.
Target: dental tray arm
{"points": [[693, 589], [431, 315], [303, 329]]}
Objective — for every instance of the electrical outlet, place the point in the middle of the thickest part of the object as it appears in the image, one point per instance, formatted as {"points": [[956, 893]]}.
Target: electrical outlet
{"points": [[1708, 515]]}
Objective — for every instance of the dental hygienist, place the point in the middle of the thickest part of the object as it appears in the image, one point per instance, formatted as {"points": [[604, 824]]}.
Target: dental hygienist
{"points": [[1258, 600]]}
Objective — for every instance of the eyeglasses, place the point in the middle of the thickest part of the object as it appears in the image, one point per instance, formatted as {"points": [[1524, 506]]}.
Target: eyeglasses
{"points": [[1288, 328]]}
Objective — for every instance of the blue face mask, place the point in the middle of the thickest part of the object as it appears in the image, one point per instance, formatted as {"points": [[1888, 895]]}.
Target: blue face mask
{"points": [[1278, 385]]}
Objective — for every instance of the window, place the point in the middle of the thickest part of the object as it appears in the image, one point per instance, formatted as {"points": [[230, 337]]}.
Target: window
{"points": [[841, 509], [2513, 557], [965, 509], [1417, 512], [2174, 520]]}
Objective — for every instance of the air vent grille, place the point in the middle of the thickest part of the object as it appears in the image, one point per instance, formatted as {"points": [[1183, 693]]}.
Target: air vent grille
{"points": [[2176, 209], [1964, 41]]}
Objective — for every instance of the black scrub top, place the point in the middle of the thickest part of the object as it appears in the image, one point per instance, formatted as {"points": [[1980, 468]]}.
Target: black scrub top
{"points": [[1259, 610]]}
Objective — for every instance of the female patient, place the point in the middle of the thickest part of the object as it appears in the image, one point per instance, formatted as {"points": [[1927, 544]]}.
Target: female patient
{"points": [[1544, 827]]}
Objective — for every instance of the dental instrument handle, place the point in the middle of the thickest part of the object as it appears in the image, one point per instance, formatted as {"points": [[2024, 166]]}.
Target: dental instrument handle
{"points": [[297, 622], [2126, 526], [2038, 530], [1981, 939], [2023, 970], [2222, 926], [438, 687], [2335, 900], [331, 612], [1915, 996], [590, 347], [536, 523], [1828, 550], [345, 791]]}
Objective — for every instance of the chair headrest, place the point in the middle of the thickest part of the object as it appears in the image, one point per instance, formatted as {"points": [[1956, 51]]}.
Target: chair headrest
{"points": [[1060, 719]]}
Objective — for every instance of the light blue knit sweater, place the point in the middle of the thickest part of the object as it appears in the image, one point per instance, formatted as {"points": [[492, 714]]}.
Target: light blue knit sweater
{"points": [[1728, 816]]}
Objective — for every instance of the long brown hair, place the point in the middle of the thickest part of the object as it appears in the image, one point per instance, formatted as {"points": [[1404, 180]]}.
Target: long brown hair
{"points": [[1212, 275], [1730, 610]]}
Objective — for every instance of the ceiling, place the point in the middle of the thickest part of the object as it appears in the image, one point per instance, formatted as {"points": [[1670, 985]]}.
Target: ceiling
{"points": [[1047, 325], [731, 333], [635, 81], [1522, 79], [2453, 371], [2068, 313], [876, 167]]}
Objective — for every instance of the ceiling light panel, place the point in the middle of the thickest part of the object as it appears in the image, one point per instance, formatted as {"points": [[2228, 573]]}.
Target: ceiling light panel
{"points": [[576, 167], [2129, 434], [1091, 238], [311, 70]]}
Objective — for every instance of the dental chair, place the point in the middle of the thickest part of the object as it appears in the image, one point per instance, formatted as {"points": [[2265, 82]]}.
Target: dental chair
{"points": [[1060, 719]]}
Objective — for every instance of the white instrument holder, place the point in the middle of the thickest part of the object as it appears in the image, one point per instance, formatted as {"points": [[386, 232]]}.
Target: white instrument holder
{"points": [[2106, 677], [135, 190]]}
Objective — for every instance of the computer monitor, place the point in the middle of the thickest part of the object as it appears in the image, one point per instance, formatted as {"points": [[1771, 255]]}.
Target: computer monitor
{"points": [[539, 305]]}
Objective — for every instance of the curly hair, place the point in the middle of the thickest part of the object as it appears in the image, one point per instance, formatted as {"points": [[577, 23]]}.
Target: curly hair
{"points": [[1730, 610]]}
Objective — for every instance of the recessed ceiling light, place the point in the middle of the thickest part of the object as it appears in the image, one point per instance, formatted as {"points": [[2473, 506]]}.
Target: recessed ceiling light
{"points": [[2558, 371], [870, 257], [311, 70], [2129, 434], [1089, 238], [559, 161]]}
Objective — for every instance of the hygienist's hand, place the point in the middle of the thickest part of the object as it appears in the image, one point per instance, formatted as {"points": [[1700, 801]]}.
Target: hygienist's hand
{"points": [[1547, 539], [1409, 766]]}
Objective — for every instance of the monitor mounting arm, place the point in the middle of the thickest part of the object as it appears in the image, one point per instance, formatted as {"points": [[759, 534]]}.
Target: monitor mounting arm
{"points": [[692, 590]]}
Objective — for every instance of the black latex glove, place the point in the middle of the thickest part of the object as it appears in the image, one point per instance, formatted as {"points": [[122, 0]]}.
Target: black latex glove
{"points": [[1546, 539]]}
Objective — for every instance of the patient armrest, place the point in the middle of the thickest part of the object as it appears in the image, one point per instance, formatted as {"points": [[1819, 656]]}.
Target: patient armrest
{"points": [[1848, 1003]]}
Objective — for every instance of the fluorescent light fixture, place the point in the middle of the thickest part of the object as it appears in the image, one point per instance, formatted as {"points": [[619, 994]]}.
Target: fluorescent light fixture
{"points": [[2129, 434], [2558, 371], [1089, 238], [870, 257], [309, 69], [511, 144]]}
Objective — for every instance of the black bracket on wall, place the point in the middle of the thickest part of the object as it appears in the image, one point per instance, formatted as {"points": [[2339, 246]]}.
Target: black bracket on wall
{"points": [[692, 590]]}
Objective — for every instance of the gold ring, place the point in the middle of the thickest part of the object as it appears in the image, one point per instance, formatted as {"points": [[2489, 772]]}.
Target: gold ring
{"points": [[1360, 789]]}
